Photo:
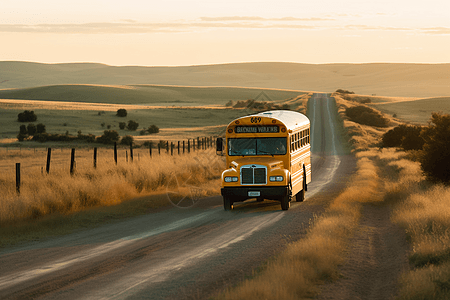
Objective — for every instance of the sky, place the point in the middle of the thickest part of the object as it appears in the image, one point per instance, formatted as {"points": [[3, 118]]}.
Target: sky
{"points": [[197, 32]]}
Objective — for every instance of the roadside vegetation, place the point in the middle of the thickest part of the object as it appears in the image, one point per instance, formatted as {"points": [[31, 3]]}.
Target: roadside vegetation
{"points": [[389, 175], [60, 194], [412, 161]]}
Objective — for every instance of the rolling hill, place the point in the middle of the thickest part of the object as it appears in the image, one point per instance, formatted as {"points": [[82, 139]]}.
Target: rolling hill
{"points": [[407, 80]]}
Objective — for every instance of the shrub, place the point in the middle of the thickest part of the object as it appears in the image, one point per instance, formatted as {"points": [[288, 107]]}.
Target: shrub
{"points": [[153, 129], [108, 137], [132, 125], [366, 116], [121, 112], [229, 103], [365, 100], [40, 128], [435, 156], [341, 91], [27, 116], [163, 144], [31, 129], [406, 137], [122, 125], [23, 130], [127, 140], [21, 137]]}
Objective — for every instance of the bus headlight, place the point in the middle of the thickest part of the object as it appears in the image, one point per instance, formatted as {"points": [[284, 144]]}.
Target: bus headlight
{"points": [[231, 179], [276, 178]]}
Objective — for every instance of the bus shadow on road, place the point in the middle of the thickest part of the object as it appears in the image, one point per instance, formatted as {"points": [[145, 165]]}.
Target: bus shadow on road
{"points": [[254, 206]]}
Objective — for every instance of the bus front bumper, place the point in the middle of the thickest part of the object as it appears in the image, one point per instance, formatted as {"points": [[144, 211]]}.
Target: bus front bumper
{"points": [[242, 193]]}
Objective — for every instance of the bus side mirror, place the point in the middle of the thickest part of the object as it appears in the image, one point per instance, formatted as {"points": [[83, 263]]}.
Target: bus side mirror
{"points": [[219, 146]]}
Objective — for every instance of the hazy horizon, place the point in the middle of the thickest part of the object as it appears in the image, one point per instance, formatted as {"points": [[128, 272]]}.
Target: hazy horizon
{"points": [[199, 32]]}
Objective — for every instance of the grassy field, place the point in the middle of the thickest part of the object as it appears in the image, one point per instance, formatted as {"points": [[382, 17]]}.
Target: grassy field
{"points": [[406, 109], [145, 94], [416, 111], [48, 198], [92, 109]]}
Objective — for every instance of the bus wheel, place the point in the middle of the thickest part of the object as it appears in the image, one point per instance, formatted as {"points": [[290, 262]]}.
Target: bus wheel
{"points": [[285, 203], [300, 196], [227, 204]]}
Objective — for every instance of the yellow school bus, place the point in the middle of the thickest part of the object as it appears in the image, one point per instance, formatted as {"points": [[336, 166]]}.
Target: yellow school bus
{"points": [[268, 156]]}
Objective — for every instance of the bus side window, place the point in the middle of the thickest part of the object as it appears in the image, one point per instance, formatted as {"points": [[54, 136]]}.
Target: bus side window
{"points": [[292, 143]]}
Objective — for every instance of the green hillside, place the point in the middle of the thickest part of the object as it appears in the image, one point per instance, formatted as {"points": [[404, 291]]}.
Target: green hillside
{"points": [[145, 94]]}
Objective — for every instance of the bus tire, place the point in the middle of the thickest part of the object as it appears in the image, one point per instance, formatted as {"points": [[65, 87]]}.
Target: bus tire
{"points": [[300, 196], [285, 203], [227, 204]]}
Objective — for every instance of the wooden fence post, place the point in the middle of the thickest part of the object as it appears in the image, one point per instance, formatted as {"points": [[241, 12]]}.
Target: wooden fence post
{"points": [[183, 147], [18, 178], [131, 151], [159, 148], [171, 148], [167, 147], [178, 147], [49, 155], [95, 158], [189, 146], [72, 161], [115, 152], [150, 149]]}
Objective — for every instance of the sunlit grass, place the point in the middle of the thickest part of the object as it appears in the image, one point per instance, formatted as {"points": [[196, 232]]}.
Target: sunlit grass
{"points": [[59, 192], [315, 259]]}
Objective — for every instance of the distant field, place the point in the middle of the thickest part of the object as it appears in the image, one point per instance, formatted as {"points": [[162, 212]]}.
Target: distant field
{"points": [[60, 121], [179, 112], [415, 111], [145, 94], [382, 79]]}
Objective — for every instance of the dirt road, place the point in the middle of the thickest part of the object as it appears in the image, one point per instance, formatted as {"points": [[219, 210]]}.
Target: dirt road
{"points": [[179, 253]]}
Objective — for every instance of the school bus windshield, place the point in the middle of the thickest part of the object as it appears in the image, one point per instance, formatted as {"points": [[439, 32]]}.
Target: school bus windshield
{"points": [[257, 146]]}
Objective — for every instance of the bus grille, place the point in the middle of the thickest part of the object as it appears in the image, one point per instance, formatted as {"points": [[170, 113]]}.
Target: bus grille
{"points": [[253, 175]]}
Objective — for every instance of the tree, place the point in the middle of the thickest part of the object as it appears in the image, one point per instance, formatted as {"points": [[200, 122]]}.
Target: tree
{"points": [[132, 125], [122, 125], [121, 112], [435, 156], [31, 128], [27, 116]]}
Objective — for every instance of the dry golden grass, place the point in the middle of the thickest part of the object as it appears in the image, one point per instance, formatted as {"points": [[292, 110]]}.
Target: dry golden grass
{"points": [[61, 193], [315, 259], [423, 210]]}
